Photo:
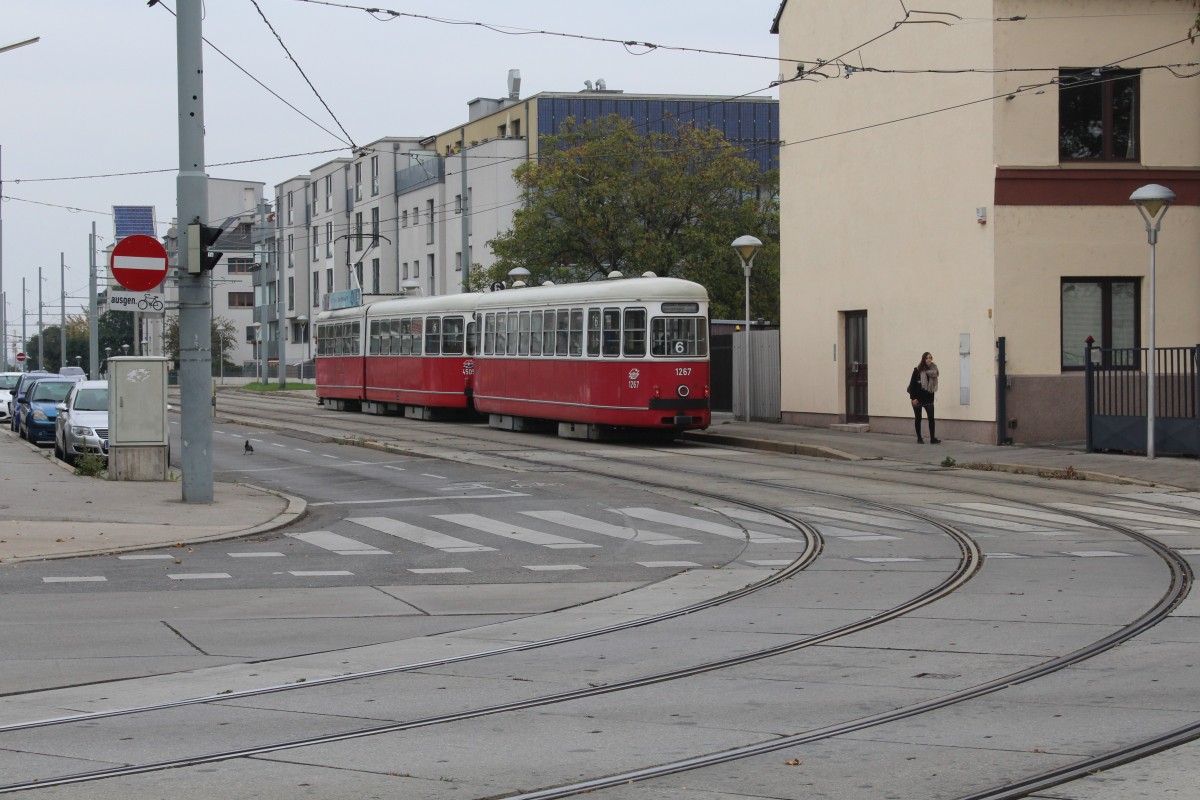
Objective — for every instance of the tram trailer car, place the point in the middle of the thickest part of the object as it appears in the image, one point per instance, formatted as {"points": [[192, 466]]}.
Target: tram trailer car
{"points": [[593, 357], [408, 356]]}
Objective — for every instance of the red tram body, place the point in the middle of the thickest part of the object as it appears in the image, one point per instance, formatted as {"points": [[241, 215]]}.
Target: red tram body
{"points": [[617, 354]]}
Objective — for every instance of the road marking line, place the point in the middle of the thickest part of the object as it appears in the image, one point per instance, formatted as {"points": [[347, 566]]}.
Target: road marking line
{"points": [[1003, 555], [302, 450], [411, 533], [569, 520], [439, 571], [554, 567], [342, 545], [318, 573], [389, 500], [254, 555], [143, 557], [1096, 553], [885, 560], [515, 532], [1042, 516], [81, 579], [770, 562], [667, 564], [680, 521], [198, 576], [431, 475], [1161, 519]]}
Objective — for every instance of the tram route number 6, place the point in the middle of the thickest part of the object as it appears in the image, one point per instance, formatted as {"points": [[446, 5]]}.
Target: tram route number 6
{"points": [[680, 348]]}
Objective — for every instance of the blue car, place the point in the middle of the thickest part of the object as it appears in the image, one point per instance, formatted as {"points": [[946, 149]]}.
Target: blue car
{"points": [[18, 396], [39, 412]]}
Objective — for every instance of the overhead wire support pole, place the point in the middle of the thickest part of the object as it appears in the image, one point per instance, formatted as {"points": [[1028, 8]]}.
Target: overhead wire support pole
{"points": [[195, 304], [93, 311]]}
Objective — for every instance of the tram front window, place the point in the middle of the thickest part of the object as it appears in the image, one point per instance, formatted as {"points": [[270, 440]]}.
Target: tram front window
{"points": [[679, 336]]}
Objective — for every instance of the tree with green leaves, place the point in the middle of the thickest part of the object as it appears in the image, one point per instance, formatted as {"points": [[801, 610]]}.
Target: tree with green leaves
{"points": [[115, 328], [224, 339], [605, 195]]}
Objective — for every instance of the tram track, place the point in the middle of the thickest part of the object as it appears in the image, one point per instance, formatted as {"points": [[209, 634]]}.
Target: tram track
{"points": [[1180, 583]]}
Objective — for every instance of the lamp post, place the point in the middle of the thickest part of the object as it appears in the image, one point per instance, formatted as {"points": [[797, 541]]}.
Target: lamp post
{"points": [[125, 348], [1152, 202], [746, 247], [107, 356], [303, 320]]}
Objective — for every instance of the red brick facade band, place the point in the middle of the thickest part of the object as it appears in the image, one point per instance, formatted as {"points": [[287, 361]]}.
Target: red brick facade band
{"points": [[1090, 187]]}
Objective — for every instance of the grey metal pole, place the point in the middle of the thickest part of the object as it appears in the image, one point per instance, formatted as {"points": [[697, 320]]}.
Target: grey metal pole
{"points": [[466, 223], [195, 305], [62, 311], [3, 296], [24, 337], [41, 326], [1153, 365], [281, 313], [93, 311], [746, 269]]}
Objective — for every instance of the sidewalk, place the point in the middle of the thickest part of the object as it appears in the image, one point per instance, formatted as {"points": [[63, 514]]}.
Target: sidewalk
{"points": [[48, 512]]}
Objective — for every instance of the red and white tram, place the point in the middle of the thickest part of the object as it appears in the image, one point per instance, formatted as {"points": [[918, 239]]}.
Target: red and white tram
{"points": [[407, 355], [618, 354]]}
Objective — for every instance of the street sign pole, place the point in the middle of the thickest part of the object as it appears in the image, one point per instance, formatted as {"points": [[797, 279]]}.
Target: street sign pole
{"points": [[195, 304]]}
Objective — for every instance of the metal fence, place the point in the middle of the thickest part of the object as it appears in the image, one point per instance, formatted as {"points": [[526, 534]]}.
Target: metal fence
{"points": [[1117, 399]]}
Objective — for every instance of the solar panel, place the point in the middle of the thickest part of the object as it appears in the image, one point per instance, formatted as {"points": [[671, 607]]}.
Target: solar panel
{"points": [[130, 220]]}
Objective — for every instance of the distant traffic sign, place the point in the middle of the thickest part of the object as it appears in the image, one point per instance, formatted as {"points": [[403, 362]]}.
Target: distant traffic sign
{"points": [[139, 263], [20, 358]]}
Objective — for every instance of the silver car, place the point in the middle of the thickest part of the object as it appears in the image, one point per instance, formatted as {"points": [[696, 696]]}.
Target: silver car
{"points": [[82, 424], [8, 382]]}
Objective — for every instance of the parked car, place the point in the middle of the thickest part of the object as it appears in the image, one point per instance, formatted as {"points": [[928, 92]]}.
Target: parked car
{"points": [[39, 410], [8, 382], [82, 424], [18, 395], [73, 372]]}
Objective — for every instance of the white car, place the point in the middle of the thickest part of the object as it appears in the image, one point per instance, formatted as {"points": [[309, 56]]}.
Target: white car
{"points": [[8, 381], [81, 427]]}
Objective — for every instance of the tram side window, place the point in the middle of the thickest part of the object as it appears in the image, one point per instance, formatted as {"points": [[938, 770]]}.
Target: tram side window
{"points": [[433, 336], [394, 336], [535, 333], [472, 341], [342, 350], [635, 332], [417, 328], [593, 331], [512, 333], [405, 336], [548, 333], [501, 334], [523, 347], [576, 331], [563, 333], [612, 332], [452, 335], [679, 336], [489, 334], [375, 337]]}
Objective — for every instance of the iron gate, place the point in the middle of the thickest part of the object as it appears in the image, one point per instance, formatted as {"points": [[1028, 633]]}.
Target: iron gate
{"points": [[1116, 399]]}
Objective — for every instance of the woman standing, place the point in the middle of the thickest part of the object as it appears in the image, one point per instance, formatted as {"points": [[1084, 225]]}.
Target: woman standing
{"points": [[921, 389]]}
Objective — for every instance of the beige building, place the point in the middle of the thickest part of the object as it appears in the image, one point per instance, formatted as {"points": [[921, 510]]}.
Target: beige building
{"points": [[965, 177]]}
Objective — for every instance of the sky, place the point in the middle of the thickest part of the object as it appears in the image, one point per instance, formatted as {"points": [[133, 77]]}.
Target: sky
{"points": [[96, 98]]}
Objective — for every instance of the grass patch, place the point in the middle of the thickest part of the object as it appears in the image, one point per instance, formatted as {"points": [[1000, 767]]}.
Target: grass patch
{"points": [[274, 387]]}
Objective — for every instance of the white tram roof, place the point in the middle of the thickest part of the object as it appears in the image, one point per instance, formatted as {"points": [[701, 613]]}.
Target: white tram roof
{"points": [[438, 304], [623, 290]]}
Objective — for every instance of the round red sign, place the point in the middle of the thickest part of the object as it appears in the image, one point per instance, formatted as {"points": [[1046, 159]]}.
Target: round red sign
{"points": [[139, 262], [20, 357]]}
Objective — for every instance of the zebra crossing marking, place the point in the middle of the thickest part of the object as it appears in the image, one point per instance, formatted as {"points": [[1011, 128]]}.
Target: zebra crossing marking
{"points": [[1135, 516], [422, 536], [1028, 513], [255, 555], [144, 557], [199, 576], [334, 542], [569, 520], [77, 579], [653, 564], [1096, 553], [514, 532], [438, 570], [319, 573], [876, 520], [716, 529], [554, 567]]}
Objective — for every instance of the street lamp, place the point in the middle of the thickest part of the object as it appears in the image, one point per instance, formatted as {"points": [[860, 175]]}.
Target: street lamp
{"points": [[1152, 202], [145, 344], [125, 348], [303, 320], [107, 356], [77, 360], [746, 247]]}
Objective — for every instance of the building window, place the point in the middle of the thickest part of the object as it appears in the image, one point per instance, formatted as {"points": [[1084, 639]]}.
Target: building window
{"points": [[458, 209], [316, 298], [329, 280], [358, 230], [329, 240], [374, 175], [358, 274], [289, 204], [291, 293], [374, 276], [1098, 115], [405, 271], [516, 128], [329, 193], [241, 299], [375, 226], [239, 264], [357, 181], [1108, 310], [404, 218], [290, 243], [428, 222], [315, 236], [431, 274], [458, 261]]}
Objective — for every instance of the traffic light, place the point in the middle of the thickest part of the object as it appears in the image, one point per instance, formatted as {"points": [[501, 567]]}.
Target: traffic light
{"points": [[200, 238]]}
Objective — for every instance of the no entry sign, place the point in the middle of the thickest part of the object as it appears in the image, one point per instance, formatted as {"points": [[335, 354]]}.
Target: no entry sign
{"points": [[139, 263]]}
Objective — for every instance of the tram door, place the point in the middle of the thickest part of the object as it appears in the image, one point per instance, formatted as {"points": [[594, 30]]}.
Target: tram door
{"points": [[856, 366]]}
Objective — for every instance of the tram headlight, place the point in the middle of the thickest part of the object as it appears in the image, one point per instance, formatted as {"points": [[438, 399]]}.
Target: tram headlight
{"points": [[682, 390]]}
